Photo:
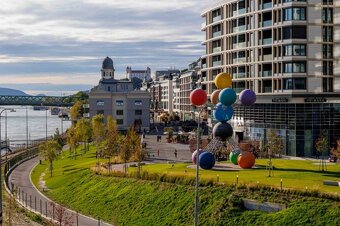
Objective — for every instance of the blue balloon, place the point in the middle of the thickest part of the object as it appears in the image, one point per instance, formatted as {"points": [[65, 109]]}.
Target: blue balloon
{"points": [[227, 97], [207, 160], [223, 113]]}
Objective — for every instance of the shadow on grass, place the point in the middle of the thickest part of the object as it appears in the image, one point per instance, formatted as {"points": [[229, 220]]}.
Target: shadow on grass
{"points": [[325, 173], [73, 170], [67, 166]]}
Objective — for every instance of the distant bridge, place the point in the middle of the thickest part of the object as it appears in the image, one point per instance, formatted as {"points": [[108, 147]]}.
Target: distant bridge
{"points": [[66, 101]]}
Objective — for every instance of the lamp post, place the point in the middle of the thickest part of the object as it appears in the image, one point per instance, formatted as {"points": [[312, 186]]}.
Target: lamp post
{"points": [[197, 166], [3, 110]]}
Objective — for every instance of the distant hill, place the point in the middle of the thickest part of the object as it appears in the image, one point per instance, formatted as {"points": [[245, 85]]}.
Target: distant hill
{"points": [[12, 92]]}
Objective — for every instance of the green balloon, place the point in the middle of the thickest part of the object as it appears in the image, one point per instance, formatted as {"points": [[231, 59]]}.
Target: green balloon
{"points": [[233, 156]]}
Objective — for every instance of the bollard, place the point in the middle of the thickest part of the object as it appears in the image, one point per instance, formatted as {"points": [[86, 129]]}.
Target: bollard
{"points": [[26, 200], [281, 184], [236, 179], [45, 208], [77, 219], [31, 201], [53, 206], [35, 203], [40, 207], [19, 193], [98, 221], [218, 178]]}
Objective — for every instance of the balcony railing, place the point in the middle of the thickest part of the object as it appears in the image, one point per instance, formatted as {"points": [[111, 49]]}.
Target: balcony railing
{"points": [[239, 89], [239, 75], [241, 11], [239, 45], [241, 60], [267, 73], [268, 57], [267, 89], [267, 5], [216, 63], [267, 41], [267, 23], [216, 34], [203, 25], [217, 49], [217, 18], [204, 66]]}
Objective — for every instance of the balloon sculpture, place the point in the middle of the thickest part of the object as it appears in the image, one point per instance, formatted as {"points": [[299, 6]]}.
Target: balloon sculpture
{"points": [[223, 98]]}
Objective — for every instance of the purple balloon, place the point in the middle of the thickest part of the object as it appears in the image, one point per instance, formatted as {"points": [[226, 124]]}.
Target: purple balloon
{"points": [[247, 97], [194, 155]]}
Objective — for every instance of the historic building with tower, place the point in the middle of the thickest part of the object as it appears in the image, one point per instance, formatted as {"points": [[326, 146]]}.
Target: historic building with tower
{"points": [[117, 98]]}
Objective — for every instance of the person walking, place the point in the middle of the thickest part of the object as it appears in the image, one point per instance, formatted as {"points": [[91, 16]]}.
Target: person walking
{"points": [[158, 152], [175, 152]]}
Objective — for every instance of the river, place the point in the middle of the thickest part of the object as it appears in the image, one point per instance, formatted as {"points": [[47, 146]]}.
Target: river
{"points": [[36, 124]]}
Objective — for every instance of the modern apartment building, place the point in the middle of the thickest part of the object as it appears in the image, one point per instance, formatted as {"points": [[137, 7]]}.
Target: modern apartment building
{"points": [[288, 52], [118, 99]]}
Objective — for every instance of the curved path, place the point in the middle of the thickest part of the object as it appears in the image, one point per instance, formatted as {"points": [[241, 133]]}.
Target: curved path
{"points": [[31, 198]]}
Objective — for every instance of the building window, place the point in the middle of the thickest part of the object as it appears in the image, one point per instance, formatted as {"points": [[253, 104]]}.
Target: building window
{"points": [[138, 112], [295, 32], [327, 67], [100, 112], [119, 112], [138, 103], [294, 67], [327, 84], [294, 50], [296, 13], [100, 103], [294, 84], [327, 50], [327, 15], [119, 103], [120, 121], [327, 2], [327, 34], [109, 88], [294, 0]]}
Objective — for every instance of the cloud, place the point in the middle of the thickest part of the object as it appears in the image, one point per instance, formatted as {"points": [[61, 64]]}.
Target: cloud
{"points": [[58, 41]]}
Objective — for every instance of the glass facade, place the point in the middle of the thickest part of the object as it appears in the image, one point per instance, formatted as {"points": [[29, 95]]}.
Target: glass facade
{"points": [[298, 124]]}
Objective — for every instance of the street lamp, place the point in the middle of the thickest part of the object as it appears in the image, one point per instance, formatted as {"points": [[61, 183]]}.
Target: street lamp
{"points": [[3, 110]]}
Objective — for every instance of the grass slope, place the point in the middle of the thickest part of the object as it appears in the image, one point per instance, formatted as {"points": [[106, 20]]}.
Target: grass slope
{"points": [[132, 202]]}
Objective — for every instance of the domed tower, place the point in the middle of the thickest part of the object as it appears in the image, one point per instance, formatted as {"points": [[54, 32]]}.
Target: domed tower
{"points": [[108, 71]]}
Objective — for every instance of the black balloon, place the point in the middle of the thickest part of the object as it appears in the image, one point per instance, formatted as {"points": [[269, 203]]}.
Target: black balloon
{"points": [[223, 130]]}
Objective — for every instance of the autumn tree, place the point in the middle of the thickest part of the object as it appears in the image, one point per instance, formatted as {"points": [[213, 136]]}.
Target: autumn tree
{"points": [[83, 132], [72, 141], [336, 150], [274, 147], [77, 111], [98, 131], [49, 152], [138, 153], [125, 152], [112, 140], [321, 146]]}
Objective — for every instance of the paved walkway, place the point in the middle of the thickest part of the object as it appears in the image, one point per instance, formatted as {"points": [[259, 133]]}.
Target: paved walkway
{"points": [[166, 151], [36, 201]]}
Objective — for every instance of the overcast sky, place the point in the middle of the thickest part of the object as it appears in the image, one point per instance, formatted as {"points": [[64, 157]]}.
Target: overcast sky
{"points": [[56, 46]]}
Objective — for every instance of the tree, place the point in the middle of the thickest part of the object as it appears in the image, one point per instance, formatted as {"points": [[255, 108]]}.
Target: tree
{"points": [[336, 150], [49, 151], [322, 145], [274, 146], [126, 148], [58, 137], [112, 140], [77, 111], [138, 153], [98, 131], [73, 141], [83, 132]]}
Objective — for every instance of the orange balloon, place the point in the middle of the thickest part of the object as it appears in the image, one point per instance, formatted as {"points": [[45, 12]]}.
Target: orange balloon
{"points": [[246, 160], [214, 97]]}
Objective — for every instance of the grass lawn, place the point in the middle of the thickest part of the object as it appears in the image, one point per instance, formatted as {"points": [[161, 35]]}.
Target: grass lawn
{"points": [[297, 174], [136, 202]]}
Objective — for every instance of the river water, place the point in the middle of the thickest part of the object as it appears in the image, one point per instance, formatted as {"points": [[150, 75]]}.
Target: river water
{"points": [[17, 133]]}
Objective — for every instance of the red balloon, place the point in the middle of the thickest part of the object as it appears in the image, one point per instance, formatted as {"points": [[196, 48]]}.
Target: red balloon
{"points": [[198, 97], [246, 160]]}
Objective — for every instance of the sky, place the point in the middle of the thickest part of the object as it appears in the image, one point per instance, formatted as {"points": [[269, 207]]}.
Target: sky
{"points": [[57, 47]]}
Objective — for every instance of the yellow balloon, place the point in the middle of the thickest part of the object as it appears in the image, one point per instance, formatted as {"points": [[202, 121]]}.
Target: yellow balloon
{"points": [[214, 96], [223, 80]]}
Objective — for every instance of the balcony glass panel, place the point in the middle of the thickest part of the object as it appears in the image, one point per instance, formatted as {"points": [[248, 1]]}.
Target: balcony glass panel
{"points": [[268, 57], [241, 11], [216, 34], [241, 60], [217, 49], [267, 41], [204, 65], [240, 75], [267, 89], [267, 5], [238, 90], [218, 18], [267, 23], [216, 63], [267, 73]]}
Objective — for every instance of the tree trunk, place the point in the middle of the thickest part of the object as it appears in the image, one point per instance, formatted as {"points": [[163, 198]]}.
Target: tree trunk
{"points": [[51, 168]]}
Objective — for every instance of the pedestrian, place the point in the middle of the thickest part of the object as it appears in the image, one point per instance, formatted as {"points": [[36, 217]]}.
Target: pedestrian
{"points": [[158, 152], [175, 152]]}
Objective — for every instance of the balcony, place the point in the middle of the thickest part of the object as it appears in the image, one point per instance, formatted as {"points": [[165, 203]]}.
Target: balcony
{"points": [[217, 63], [267, 73], [267, 41], [216, 34], [267, 23], [204, 66], [239, 75], [203, 25], [203, 79], [217, 49], [239, 28], [241, 11], [217, 18], [267, 89], [242, 60], [267, 5], [238, 90], [239, 45], [267, 57]]}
